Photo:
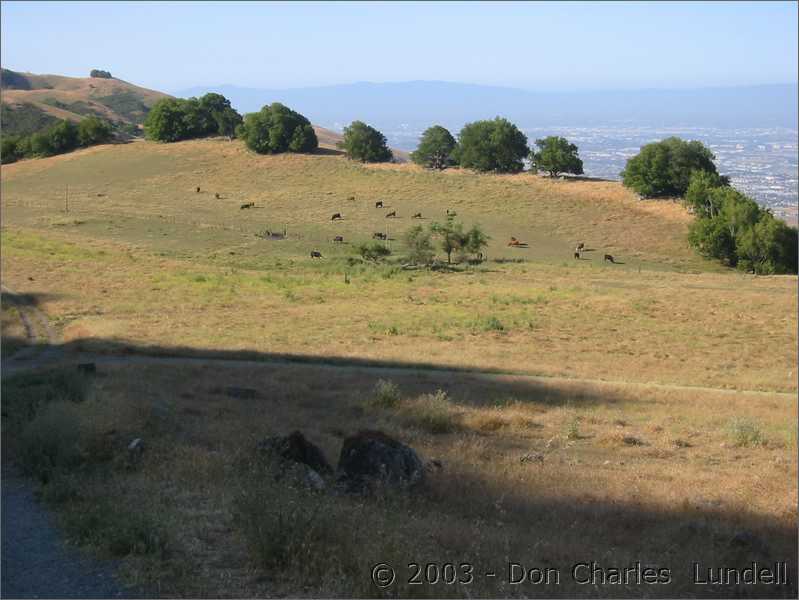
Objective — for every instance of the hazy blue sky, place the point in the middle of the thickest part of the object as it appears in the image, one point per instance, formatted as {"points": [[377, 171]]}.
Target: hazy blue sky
{"points": [[539, 46]]}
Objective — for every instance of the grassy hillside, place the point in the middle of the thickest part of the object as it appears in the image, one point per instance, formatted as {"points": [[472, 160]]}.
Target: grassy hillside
{"points": [[662, 315], [581, 410], [71, 98]]}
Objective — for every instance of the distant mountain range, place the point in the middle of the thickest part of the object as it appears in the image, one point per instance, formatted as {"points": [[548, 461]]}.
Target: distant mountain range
{"points": [[418, 104]]}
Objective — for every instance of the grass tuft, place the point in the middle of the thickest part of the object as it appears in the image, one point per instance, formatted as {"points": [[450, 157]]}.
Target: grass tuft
{"points": [[745, 433]]}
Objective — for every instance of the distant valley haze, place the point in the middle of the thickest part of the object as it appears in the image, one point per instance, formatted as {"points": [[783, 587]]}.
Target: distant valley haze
{"points": [[422, 103]]}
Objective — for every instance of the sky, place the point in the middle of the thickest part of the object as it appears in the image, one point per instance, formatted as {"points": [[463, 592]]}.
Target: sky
{"points": [[549, 46]]}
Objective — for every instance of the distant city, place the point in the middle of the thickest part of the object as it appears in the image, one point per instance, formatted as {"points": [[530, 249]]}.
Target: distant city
{"points": [[761, 162]]}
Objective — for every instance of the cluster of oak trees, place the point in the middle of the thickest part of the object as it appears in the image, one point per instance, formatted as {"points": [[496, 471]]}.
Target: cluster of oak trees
{"points": [[60, 137]]}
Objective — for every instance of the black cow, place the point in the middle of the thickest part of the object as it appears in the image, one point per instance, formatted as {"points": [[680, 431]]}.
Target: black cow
{"points": [[339, 239], [609, 258], [379, 204], [316, 254], [417, 216], [336, 216], [393, 213], [248, 205], [379, 236]]}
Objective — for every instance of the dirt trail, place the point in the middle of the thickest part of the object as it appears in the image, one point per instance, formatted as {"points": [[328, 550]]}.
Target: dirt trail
{"points": [[43, 341], [35, 561]]}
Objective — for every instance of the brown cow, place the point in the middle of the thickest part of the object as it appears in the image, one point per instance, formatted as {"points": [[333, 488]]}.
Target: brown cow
{"points": [[218, 197], [198, 189], [336, 216]]}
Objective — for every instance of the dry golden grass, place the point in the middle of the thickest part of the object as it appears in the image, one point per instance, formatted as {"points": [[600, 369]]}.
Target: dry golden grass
{"points": [[541, 470], [77, 89], [569, 321], [517, 484]]}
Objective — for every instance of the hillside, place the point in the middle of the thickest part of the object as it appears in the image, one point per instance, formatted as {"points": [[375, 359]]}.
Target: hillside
{"points": [[142, 195], [557, 396], [30, 102]]}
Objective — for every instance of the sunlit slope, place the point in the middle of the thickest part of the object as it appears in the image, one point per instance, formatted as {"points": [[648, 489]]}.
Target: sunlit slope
{"points": [[76, 97], [145, 193]]}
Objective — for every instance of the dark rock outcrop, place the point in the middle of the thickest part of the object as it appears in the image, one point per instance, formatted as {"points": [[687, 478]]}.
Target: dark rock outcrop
{"points": [[295, 448], [372, 458]]}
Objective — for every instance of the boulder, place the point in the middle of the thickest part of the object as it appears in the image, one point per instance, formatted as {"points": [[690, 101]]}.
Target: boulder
{"points": [[371, 458], [295, 448]]}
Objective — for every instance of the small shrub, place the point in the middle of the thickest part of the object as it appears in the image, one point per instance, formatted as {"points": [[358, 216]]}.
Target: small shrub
{"points": [[491, 323], [50, 441], [386, 394], [373, 251], [119, 532], [433, 413], [746, 433], [24, 395], [573, 429], [302, 534]]}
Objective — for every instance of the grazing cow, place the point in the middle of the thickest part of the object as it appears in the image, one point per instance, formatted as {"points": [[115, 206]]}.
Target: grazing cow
{"points": [[580, 246], [417, 216], [379, 204], [393, 213], [336, 216], [316, 254], [609, 258], [379, 236], [198, 189], [339, 239], [247, 205]]}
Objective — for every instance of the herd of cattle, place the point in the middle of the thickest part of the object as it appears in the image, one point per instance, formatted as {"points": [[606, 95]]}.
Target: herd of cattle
{"points": [[339, 239]]}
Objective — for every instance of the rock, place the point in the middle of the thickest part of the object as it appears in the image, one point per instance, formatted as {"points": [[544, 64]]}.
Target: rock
{"points": [[314, 480], [135, 452], [295, 448], [371, 457]]}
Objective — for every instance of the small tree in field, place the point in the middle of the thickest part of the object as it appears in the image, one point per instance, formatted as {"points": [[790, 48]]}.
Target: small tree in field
{"points": [[451, 236], [475, 240], [364, 143], [420, 245], [557, 155], [435, 148], [373, 251]]}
